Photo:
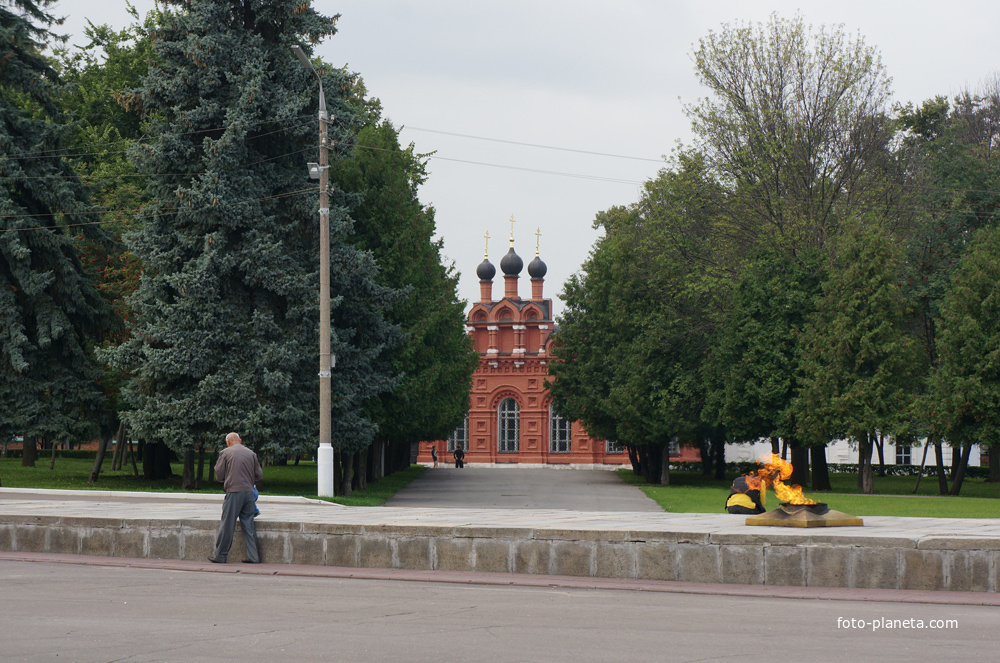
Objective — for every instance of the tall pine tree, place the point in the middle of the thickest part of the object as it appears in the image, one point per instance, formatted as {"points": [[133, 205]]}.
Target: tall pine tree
{"points": [[226, 335], [50, 312]]}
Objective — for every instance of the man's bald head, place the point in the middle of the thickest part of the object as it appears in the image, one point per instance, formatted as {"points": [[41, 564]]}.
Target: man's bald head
{"points": [[233, 438]]}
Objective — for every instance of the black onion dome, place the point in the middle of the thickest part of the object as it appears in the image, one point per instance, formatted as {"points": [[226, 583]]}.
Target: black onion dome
{"points": [[537, 268], [486, 271], [511, 264]]}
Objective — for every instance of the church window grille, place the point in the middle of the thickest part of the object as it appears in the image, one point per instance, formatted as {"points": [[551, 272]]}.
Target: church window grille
{"points": [[460, 436], [559, 433], [509, 426]]}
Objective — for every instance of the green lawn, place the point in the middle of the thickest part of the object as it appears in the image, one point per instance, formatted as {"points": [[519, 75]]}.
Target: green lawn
{"points": [[72, 473], [690, 492]]}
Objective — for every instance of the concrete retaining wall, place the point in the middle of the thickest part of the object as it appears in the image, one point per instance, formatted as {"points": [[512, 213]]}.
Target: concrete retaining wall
{"points": [[791, 559]]}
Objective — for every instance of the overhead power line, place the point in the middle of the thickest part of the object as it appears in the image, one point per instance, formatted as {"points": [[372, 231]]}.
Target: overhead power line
{"points": [[542, 147]]}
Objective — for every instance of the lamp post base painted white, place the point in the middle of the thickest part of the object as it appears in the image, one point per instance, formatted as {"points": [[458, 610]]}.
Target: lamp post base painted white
{"points": [[324, 463]]}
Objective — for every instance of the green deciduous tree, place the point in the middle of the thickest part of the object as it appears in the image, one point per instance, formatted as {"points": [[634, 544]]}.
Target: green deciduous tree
{"points": [[857, 363], [964, 386], [796, 125], [437, 359], [50, 312]]}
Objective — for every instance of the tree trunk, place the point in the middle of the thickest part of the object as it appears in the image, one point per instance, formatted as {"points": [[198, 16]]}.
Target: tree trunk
{"points": [[994, 460], [102, 449], [633, 457], [705, 451], [665, 465], [963, 463], [338, 473], [200, 474], [118, 456], [881, 455], [360, 470], [132, 455], [820, 469], [211, 465], [956, 461], [775, 445], [718, 455], [187, 474], [784, 448], [52, 464], [923, 461], [156, 461], [800, 464], [29, 452], [942, 479], [866, 482], [347, 483]]}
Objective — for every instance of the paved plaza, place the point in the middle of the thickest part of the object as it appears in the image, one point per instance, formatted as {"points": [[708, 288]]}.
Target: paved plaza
{"points": [[491, 522]]}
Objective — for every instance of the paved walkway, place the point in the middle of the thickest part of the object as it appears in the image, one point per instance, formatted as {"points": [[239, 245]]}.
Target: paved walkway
{"points": [[181, 506], [502, 488]]}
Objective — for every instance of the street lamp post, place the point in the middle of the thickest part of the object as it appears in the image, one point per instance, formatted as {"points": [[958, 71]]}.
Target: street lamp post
{"points": [[324, 456]]}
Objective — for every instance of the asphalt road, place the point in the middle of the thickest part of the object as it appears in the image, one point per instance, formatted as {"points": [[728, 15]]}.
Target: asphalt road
{"points": [[67, 612], [501, 488]]}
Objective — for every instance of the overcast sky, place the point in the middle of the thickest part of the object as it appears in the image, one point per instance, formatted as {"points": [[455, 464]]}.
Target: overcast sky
{"points": [[582, 76]]}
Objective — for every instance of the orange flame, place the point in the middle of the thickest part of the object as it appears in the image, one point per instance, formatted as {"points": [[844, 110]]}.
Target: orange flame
{"points": [[774, 472]]}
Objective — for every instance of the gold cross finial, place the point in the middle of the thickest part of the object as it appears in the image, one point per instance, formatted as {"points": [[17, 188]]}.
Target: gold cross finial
{"points": [[511, 231], [538, 238], [486, 253]]}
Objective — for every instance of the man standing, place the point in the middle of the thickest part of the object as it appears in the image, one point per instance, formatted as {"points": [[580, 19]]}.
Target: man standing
{"points": [[238, 469]]}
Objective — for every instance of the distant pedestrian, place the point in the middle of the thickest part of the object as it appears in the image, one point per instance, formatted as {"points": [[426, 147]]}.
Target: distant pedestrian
{"points": [[459, 456], [238, 469], [434, 455]]}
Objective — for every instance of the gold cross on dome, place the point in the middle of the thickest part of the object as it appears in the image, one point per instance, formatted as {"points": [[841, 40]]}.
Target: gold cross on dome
{"points": [[486, 254], [538, 238], [511, 231]]}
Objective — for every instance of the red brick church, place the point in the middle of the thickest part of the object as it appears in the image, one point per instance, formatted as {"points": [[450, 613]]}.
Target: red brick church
{"points": [[510, 419]]}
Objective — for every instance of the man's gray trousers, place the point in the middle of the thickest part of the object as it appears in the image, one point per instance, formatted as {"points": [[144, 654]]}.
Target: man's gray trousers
{"points": [[237, 505]]}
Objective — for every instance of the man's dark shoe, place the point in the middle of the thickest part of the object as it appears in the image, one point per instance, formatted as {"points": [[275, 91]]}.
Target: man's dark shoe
{"points": [[250, 561], [216, 561]]}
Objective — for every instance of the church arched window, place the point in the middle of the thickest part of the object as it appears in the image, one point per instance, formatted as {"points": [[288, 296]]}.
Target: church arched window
{"points": [[559, 433], [508, 426]]}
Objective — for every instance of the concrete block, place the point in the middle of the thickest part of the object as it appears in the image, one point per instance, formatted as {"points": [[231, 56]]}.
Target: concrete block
{"points": [[453, 554], [922, 569], [164, 544], [614, 560], [491, 555], [342, 550], [96, 541], [572, 558], [296, 547], [697, 563], [271, 547], [655, 561], [532, 556], [374, 552], [129, 542], [828, 566], [875, 568], [968, 570], [414, 553], [7, 538], [742, 564], [958, 543], [785, 565], [63, 540], [30, 538], [198, 544]]}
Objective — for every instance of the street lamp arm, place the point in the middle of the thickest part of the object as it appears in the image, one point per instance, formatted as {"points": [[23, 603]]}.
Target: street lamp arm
{"points": [[307, 63]]}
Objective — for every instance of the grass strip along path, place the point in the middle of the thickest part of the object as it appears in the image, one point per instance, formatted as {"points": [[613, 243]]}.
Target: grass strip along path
{"points": [[72, 474], [690, 492]]}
